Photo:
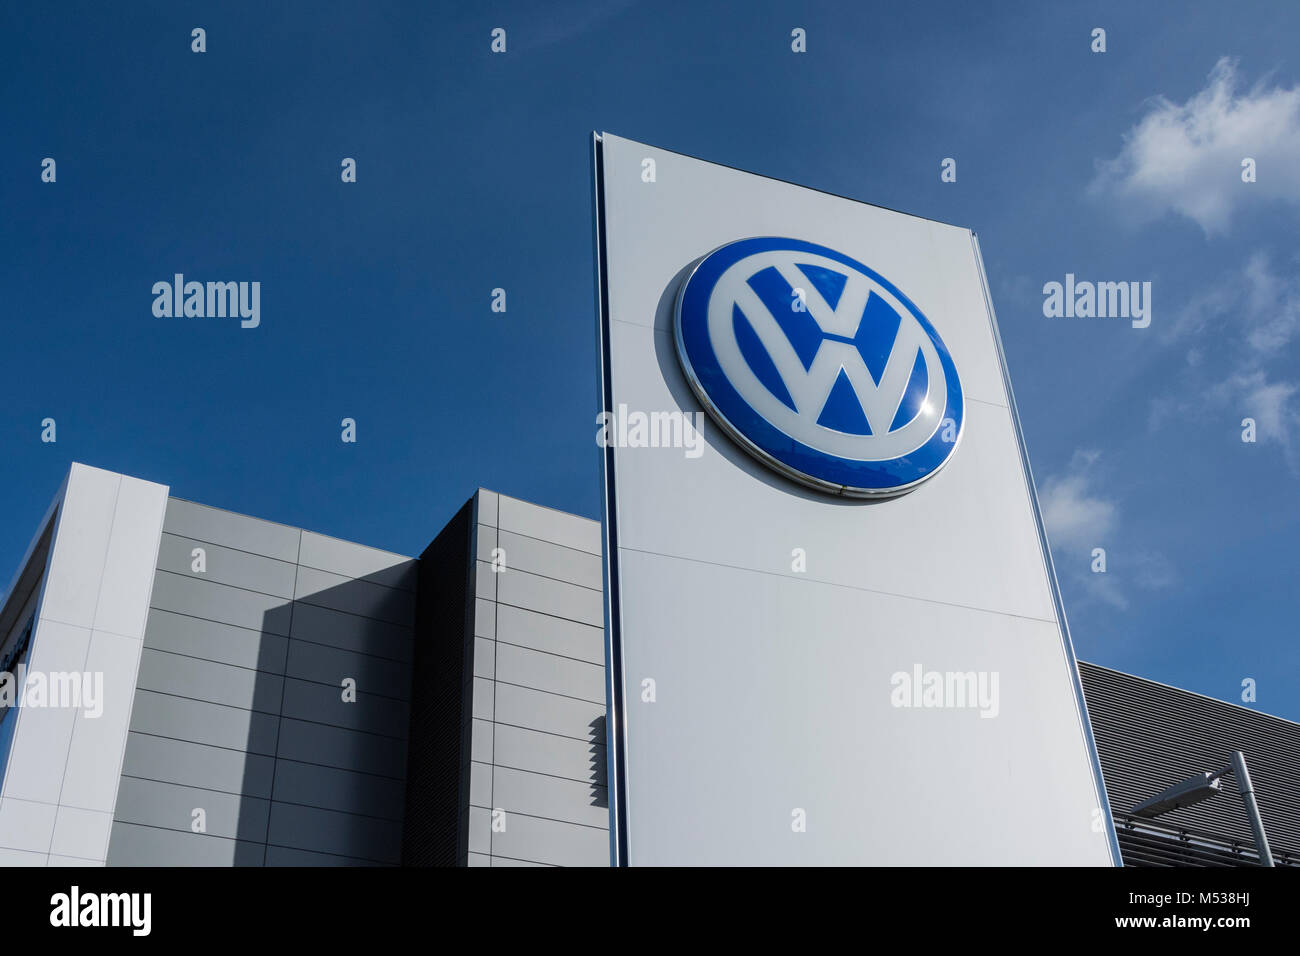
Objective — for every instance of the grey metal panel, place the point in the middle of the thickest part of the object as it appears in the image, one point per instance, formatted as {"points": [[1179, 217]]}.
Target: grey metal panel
{"points": [[523, 553], [171, 806], [505, 861], [485, 581], [486, 510], [81, 834], [484, 692], [355, 597], [352, 633], [213, 641], [485, 541], [340, 747], [538, 795], [93, 599], [94, 758], [1150, 736], [327, 831], [475, 859], [232, 530], [219, 602], [523, 517], [203, 722], [206, 680], [132, 554], [485, 663], [534, 661], [330, 788], [480, 748], [239, 569], [83, 530], [480, 784], [26, 825], [480, 830], [197, 765], [329, 665], [324, 704], [39, 751], [550, 597], [543, 632], [283, 856], [549, 672], [547, 753], [357, 561], [538, 710], [485, 618], [551, 841], [132, 845], [32, 858], [216, 644]]}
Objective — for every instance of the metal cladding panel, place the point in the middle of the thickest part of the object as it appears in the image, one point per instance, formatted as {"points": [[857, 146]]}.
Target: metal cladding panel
{"points": [[60, 785], [770, 622], [238, 707], [537, 782], [1150, 736]]}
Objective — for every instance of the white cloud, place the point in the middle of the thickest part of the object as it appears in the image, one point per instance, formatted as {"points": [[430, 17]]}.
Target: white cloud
{"points": [[1256, 306], [1269, 403], [1105, 589], [1076, 517], [1272, 304], [1186, 157], [1136, 569], [1238, 330], [1080, 517]]}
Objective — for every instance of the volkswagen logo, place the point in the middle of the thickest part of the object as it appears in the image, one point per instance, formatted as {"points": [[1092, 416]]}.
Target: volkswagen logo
{"points": [[818, 366]]}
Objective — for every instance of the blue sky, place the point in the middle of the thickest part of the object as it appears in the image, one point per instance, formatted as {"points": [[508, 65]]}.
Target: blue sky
{"points": [[473, 174]]}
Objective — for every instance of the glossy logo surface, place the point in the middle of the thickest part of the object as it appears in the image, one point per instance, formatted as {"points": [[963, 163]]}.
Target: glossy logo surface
{"points": [[818, 366]]}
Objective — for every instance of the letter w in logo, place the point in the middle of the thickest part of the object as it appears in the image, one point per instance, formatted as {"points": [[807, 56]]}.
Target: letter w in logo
{"points": [[850, 361]]}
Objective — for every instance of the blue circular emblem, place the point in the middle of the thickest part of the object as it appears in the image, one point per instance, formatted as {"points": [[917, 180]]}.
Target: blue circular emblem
{"points": [[818, 366]]}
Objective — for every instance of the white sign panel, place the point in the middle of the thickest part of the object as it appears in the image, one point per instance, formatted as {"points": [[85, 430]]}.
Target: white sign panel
{"points": [[835, 634]]}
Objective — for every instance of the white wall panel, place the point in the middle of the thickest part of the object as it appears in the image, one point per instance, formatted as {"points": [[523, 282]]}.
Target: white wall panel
{"points": [[67, 757], [773, 684]]}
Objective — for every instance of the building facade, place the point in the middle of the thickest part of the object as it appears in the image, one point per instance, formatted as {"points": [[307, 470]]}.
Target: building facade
{"points": [[243, 689], [507, 757], [222, 690]]}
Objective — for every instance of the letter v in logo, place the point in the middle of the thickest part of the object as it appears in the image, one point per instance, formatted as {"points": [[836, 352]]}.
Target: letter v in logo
{"points": [[844, 386]]}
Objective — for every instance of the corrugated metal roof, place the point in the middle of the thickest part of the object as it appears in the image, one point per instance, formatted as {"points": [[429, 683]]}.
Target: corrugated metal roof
{"points": [[1150, 736]]}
